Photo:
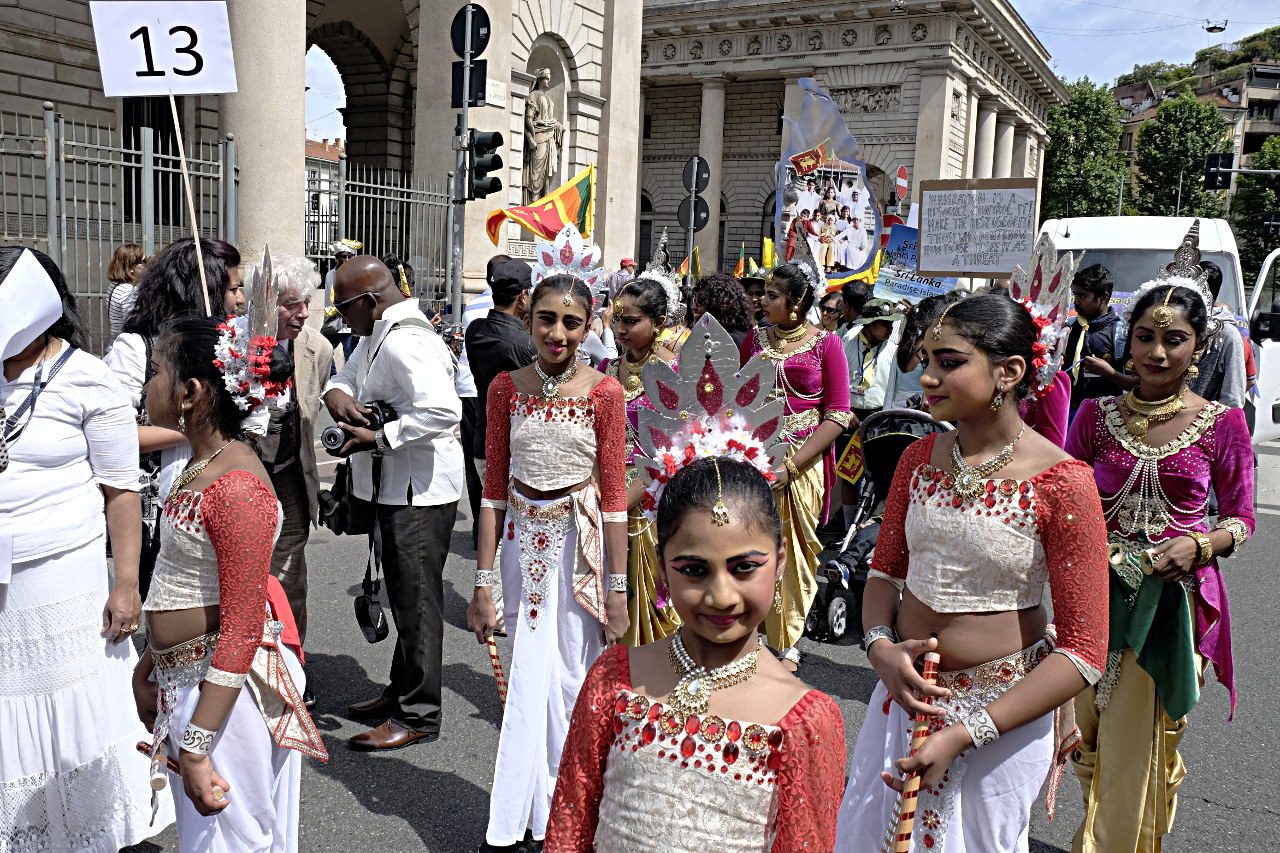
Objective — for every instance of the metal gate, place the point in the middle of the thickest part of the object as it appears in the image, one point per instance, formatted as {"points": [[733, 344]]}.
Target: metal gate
{"points": [[76, 191], [387, 210]]}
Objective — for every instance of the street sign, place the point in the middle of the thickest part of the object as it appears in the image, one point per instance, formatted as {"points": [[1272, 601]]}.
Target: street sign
{"points": [[701, 214], [697, 174], [479, 69], [479, 31], [900, 184]]}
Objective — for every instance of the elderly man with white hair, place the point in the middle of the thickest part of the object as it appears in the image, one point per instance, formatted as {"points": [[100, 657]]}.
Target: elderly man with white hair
{"points": [[288, 448]]}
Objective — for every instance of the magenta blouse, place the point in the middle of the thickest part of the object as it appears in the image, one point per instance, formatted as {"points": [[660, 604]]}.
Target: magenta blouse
{"points": [[611, 367], [815, 381], [1047, 415], [1216, 452]]}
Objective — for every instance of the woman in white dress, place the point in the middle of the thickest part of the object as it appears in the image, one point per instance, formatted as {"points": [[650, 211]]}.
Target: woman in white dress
{"points": [[70, 777]]}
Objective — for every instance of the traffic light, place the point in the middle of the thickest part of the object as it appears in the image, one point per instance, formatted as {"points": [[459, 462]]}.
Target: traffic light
{"points": [[482, 158], [1218, 180], [315, 202]]}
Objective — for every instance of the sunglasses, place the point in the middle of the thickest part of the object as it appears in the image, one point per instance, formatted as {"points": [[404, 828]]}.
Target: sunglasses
{"points": [[830, 309], [340, 306]]}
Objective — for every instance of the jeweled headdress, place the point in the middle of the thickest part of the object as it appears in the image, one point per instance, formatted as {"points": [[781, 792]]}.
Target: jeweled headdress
{"points": [[1183, 271], [568, 255], [243, 351], [1045, 291], [708, 407]]}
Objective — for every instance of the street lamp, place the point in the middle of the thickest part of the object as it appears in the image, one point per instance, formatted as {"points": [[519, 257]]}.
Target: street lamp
{"points": [[1214, 26]]}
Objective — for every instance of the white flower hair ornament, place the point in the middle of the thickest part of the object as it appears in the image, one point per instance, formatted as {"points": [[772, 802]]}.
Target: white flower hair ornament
{"points": [[708, 407], [568, 255], [1183, 271], [675, 305], [1045, 292], [245, 363]]}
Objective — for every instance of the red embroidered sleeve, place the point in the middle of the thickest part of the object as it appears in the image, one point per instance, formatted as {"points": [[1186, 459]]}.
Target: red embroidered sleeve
{"points": [[1074, 535], [497, 439], [241, 515], [892, 554], [611, 445], [811, 778], [575, 807]]}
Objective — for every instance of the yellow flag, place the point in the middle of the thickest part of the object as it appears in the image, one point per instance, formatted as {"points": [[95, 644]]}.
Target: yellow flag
{"points": [[768, 256]]}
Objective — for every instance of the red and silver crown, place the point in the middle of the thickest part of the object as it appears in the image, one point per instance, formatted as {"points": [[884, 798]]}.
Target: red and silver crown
{"points": [[569, 255], [707, 407], [243, 351], [1045, 291]]}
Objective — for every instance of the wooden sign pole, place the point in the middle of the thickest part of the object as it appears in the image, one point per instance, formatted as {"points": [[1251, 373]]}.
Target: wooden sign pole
{"points": [[191, 205]]}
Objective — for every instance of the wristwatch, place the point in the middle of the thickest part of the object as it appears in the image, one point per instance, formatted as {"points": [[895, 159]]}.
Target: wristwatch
{"points": [[380, 443]]}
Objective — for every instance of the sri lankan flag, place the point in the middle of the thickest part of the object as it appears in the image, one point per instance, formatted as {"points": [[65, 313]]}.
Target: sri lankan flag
{"points": [[741, 268], [812, 160], [571, 204]]}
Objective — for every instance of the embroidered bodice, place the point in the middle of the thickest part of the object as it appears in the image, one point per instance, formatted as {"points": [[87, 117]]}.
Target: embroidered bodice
{"points": [[551, 444], [813, 379], [637, 775], [635, 401], [215, 549], [996, 552]]}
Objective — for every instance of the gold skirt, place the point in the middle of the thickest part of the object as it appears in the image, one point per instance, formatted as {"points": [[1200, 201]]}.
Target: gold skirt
{"points": [[799, 506], [648, 622]]}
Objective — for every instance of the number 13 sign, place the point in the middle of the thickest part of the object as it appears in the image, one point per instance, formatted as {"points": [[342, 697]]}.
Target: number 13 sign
{"points": [[175, 48]]}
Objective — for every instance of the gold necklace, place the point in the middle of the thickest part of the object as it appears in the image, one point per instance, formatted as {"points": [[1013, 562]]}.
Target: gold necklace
{"points": [[631, 383], [1142, 414], [697, 683], [194, 471], [970, 478], [789, 336]]}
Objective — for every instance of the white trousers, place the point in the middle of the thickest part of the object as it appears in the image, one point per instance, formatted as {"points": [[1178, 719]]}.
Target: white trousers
{"points": [[264, 780]]}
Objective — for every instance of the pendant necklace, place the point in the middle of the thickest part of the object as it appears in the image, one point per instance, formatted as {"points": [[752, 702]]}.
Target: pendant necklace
{"points": [[969, 478], [1142, 414], [551, 384], [697, 683]]}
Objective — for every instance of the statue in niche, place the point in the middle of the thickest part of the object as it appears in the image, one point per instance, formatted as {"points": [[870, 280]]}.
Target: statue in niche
{"points": [[753, 46], [543, 139]]}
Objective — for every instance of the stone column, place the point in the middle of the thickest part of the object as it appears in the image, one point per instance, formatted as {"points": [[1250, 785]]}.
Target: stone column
{"points": [[268, 117], [971, 129], [618, 181], [1004, 147], [985, 144], [1021, 149], [711, 148], [933, 127]]}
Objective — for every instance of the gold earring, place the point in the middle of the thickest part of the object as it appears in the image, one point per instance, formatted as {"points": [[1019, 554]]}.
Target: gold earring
{"points": [[998, 400], [719, 512], [1128, 366], [777, 595], [1193, 370], [793, 316], [182, 424]]}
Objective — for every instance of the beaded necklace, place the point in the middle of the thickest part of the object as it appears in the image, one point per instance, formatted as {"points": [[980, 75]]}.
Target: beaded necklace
{"points": [[194, 471]]}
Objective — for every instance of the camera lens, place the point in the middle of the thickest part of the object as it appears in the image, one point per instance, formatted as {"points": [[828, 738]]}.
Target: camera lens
{"points": [[333, 438]]}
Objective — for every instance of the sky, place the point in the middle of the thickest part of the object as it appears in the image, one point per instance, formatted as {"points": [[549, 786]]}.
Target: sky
{"points": [[1093, 38]]}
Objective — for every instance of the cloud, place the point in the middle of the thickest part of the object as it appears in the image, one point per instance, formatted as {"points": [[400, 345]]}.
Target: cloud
{"points": [[325, 94]]}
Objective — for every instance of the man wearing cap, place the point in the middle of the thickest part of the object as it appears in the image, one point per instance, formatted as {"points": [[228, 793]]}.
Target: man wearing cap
{"points": [[335, 328], [626, 272], [866, 346]]}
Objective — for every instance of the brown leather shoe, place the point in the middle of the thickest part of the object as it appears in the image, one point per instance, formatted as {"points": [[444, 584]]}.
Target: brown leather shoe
{"points": [[379, 706], [390, 735]]}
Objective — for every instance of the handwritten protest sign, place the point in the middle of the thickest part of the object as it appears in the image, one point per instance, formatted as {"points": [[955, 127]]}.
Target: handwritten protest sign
{"points": [[976, 227], [898, 278]]}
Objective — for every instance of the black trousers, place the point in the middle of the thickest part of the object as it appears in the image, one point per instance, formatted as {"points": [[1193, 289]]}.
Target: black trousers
{"points": [[415, 542], [470, 407]]}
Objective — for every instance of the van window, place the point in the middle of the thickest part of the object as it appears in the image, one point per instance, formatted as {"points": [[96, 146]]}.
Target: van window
{"points": [[1131, 268]]}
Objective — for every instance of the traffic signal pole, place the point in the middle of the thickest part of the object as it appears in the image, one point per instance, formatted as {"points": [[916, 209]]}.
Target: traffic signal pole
{"points": [[462, 174]]}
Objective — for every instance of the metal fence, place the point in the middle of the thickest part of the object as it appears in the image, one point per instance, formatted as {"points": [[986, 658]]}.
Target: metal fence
{"points": [[76, 191], [387, 210]]}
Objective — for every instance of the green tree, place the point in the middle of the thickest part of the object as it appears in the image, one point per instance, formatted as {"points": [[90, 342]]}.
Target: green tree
{"points": [[1083, 168], [1159, 74], [1172, 148], [1255, 197]]}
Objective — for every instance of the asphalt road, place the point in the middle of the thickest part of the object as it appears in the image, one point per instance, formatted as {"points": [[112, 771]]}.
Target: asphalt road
{"points": [[436, 797]]}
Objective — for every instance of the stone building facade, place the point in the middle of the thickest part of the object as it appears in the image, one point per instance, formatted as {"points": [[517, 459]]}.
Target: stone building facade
{"points": [[950, 89]]}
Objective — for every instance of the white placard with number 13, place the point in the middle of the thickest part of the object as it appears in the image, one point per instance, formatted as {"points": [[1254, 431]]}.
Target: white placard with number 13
{"points": [[173, 48]]}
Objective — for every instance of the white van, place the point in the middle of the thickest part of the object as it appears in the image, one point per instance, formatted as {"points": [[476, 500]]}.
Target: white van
{"points": [[1134, 248]]}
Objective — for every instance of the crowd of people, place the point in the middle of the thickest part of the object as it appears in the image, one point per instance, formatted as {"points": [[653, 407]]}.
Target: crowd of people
{"points": [[652, 476]]}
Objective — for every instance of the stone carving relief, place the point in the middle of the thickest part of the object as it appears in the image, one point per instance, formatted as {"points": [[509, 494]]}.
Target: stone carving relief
{"points": [[849, 37], [868, 99], [754, 46], [919, 32], [726, 47], [956, 100], [668, 51], [883, 36], [644, 54], [695, 50], [543, 140], [784, 42], [815, 41]]}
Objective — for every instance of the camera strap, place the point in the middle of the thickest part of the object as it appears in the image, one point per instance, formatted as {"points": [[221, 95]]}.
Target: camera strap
{"points": [[372, 576]]}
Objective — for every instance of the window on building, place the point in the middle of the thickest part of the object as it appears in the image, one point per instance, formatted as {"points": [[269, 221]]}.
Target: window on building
{"points": [[721, 254], [152, 115], [648, 126], [645, 251], [767, 228]]}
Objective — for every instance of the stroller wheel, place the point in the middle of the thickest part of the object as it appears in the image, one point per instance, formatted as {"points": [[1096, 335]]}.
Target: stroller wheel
{"points": [[838, 616]]}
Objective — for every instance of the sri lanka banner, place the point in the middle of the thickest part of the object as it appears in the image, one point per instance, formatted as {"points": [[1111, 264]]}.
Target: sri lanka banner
{"points": [[571, 204]]}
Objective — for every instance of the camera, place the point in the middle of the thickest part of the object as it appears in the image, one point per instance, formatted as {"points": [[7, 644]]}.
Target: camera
{"points": [[379, 415]]}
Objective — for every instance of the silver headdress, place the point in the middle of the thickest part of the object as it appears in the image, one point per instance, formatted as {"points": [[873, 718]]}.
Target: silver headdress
{"points": [[1045, 291], [569, 255], [1183, 271], [709, 407]]}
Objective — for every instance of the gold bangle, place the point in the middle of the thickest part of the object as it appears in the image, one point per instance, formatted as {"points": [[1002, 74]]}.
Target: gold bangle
{"points": [[1205, 546], [792, 470]]}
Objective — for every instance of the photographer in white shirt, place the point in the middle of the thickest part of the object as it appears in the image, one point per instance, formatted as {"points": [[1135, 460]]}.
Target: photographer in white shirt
{"points": [[402, 362]]}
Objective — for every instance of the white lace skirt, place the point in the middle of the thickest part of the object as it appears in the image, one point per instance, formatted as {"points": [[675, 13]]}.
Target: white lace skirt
{"points": [[71, 777], [554, 641]]}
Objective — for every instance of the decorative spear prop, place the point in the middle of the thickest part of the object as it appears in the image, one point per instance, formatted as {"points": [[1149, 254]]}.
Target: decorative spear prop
{"points": [[899, 838]]}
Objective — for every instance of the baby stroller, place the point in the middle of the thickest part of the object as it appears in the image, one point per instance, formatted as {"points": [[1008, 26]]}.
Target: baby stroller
{"points": [[837, 607]]}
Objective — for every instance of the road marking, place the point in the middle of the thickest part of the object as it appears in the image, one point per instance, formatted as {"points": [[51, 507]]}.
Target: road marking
{"points": [[1266, 510]]}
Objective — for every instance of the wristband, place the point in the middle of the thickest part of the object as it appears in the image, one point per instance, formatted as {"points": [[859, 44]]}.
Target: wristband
{"points": [[878, 632], [981, 728], [379, 443], [792, 470], [484, 578], [1204, 546], [617, 583], [196, 739]]}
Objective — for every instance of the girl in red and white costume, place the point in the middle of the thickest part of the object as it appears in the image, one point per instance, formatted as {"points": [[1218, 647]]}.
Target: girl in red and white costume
{"points": [[555, 494], [976, 521]]}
